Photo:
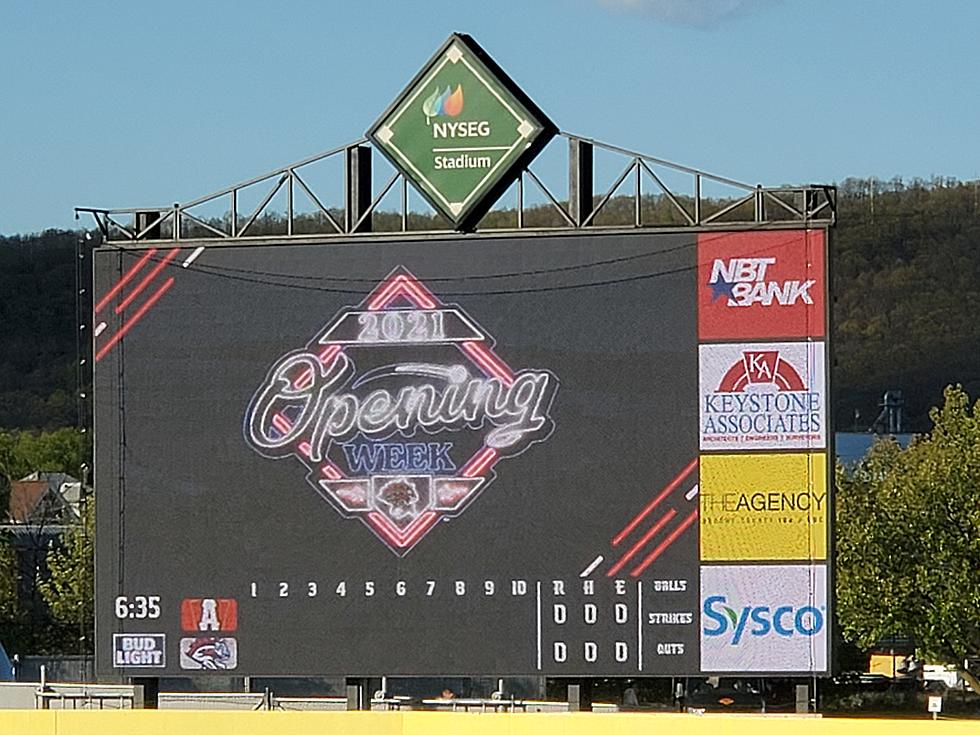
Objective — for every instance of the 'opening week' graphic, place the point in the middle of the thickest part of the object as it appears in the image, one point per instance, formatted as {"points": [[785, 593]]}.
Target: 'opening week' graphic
{"points": [[399, 409]]}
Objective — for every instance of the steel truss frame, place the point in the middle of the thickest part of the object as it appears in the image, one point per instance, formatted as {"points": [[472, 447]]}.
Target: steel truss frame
{"points": [[812, 205]]}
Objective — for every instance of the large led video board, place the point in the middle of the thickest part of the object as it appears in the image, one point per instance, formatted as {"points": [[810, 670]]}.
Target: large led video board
{"points": [[575, 454]]}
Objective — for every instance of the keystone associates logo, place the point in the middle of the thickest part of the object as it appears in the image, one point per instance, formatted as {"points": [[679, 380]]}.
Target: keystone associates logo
{"points": [[761, 367], [446, 103], [742, 282], [786, 621]]}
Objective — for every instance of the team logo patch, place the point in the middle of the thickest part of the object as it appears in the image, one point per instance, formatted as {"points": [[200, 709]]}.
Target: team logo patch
{"points": [[761, 284], [762, 396], [399, 410], [206, 614], [209, 653]]}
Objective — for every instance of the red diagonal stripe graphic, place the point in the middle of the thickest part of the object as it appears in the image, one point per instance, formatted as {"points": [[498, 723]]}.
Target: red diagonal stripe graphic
{"points": [[480, 462], [137, 315], [654, 503], [380, 294], [406, 537], [666, 543], [423, 297], [124, 280], [146, 280], [663, 521], [488, 362]]}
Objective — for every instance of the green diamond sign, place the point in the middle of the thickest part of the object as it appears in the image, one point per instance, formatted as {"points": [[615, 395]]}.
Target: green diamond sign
{"points": [[461, 131]]}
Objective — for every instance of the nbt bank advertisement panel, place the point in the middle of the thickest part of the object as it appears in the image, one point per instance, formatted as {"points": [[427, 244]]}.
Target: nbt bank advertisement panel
{"points": [[576, 454]]}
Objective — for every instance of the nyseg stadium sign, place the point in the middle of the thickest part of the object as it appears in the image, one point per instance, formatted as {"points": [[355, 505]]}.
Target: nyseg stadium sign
{"points": [[461, 131]]}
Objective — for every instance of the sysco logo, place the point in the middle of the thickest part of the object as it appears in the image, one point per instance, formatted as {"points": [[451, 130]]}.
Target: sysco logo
{"points": [[784, 620]]}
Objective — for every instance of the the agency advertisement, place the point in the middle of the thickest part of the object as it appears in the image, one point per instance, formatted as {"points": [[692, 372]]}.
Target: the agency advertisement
{"points": [[764, 507]]}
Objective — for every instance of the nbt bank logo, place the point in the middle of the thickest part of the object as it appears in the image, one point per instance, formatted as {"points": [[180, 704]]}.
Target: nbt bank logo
{"points": [[744, 282], [787, 621]]}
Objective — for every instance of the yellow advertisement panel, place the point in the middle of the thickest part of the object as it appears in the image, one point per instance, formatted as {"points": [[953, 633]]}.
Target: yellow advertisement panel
{"points": [[763, 507]]}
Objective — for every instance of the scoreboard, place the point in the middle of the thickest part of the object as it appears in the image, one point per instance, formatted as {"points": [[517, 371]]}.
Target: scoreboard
{"points": [[571, 454]]}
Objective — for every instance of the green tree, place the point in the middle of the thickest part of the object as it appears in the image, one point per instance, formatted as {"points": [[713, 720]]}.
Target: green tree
{"points": [[22, 452], [69, 589], [8, 585], [908, 540], [31, 625]]}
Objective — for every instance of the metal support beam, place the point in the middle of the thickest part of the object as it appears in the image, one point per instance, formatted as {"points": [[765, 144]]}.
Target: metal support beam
{"points": [[148, 222], [358, 693], [357, 189], [802, 699], [814, 205], [151, 690], [580, 160]]}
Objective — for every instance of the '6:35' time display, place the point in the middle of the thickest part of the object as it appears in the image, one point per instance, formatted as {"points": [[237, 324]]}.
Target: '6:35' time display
{"points": [[139, 607]]}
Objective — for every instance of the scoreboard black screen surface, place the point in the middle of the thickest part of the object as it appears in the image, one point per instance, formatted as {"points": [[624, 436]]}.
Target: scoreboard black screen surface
{"points": [[549, 455]]}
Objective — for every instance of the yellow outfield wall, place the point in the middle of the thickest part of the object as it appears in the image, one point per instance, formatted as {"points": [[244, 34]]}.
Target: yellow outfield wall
{"points": [[172, 722]]}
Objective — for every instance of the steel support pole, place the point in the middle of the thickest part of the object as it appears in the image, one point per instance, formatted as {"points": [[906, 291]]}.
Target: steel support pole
{"points": [[144, 220], [580, 160], [357, 188]]}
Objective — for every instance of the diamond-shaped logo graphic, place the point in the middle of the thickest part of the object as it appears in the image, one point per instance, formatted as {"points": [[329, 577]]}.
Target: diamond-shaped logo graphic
{"points": [[461, 131], [399, 409]]}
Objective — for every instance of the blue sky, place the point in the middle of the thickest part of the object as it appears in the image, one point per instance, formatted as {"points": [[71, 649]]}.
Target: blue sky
{"points": [[135, 103]]}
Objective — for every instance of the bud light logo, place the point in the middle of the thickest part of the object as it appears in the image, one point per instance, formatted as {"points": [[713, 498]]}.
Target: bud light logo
{"points": [[763, 620]]}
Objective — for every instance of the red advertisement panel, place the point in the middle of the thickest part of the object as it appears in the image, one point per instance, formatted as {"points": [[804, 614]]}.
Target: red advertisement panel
{"points": [[761, 284]]}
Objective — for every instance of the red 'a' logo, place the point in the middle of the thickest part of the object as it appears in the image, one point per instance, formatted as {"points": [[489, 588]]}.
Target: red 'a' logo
{"points": [[208, 613]]}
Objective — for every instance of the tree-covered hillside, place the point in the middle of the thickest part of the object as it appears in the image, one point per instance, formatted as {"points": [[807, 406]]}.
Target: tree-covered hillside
{"points": [[37, 330], [906, 281], [907, 295]]}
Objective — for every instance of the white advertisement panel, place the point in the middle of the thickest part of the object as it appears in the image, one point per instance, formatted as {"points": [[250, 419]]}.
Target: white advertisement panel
{"points": [[762, 396], [764, 617]]}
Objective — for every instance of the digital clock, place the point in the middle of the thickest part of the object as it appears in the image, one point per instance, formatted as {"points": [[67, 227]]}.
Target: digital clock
{"points": [[139, 607]]}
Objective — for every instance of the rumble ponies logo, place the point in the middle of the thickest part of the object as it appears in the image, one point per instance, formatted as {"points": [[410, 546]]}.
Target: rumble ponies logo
{"points": [[762, 396], [757, 285], [399, 409]]}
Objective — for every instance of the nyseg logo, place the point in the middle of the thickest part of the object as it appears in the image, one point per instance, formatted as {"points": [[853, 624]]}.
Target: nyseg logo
{"points": [[439, 104], [441, 110]]}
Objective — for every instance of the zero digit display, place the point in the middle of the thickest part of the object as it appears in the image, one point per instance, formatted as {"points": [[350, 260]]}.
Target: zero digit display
{"points": [[443, 456]]}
